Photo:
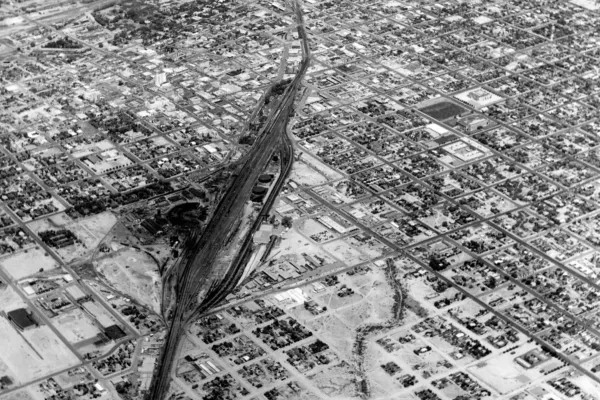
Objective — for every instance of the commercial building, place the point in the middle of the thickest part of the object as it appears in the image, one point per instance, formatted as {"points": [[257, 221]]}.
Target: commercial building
{"points": [[22, 319]]}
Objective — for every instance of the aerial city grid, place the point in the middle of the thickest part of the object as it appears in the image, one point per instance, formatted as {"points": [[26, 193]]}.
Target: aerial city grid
{"points": [[299, 200]]}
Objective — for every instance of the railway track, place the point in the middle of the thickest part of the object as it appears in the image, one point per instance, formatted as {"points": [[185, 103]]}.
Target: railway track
{"points": [[235, 273], [204, 248]]}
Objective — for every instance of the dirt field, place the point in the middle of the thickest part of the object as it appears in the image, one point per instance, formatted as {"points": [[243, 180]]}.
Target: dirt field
{"points": [[374, 354], [304, 175], [337, 382], [162, 252], [10, 299], [11, 21], [91, 231], [323, 169], [100, 224], [587, 385], [382, 302], [502, 374], [22, 394], [75, 326], [357, 314], [24, 361], [588, 4], [315, 230], [5, 370], [134, 273], [372, 247], [344, 252], [335, 333], [378, 376], [28, 262], [294, 244]]}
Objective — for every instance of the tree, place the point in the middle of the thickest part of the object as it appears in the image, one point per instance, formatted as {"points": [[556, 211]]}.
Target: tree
{"points": [[287, 222], [436, 264], [120, 388]]}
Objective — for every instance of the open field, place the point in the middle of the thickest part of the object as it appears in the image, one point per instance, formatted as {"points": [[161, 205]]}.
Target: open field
{"points": [[589, 4], [303, 174], [294, 244], [502, 374], [322, 169], [367, 245], [356, 314], [26, 362], [28, 262], [10, 21], [337, 382], [23, 394], [588, 386], [134, 273], [92, 230], [75, 325], [344, 252], [98, 225], [334, 332], [315, 230], [10, 299]]}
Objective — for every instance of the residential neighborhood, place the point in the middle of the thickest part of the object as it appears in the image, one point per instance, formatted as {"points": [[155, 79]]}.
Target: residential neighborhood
{"points": [[421, 217]]}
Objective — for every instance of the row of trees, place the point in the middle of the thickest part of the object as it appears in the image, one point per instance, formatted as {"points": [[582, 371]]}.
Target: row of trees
{"points": [[62, 43]]}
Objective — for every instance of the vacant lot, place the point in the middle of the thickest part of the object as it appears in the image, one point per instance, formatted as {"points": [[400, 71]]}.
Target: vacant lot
{"points": [[27, 263], [35, 353], [305, 175], [503, 373], [334, 333], [92, 230], [323, 169], [10, 299], [345, 252], [315, 230], [134, 273], [338, 381], [75, 326], [22, 394]]}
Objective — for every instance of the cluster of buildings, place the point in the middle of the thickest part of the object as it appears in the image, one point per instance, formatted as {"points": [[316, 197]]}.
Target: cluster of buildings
{"points": [[462, 136]]}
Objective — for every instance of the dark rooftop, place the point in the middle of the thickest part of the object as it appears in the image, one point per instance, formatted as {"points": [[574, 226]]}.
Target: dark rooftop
{"points": [[114, 332], [22, 318]]}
